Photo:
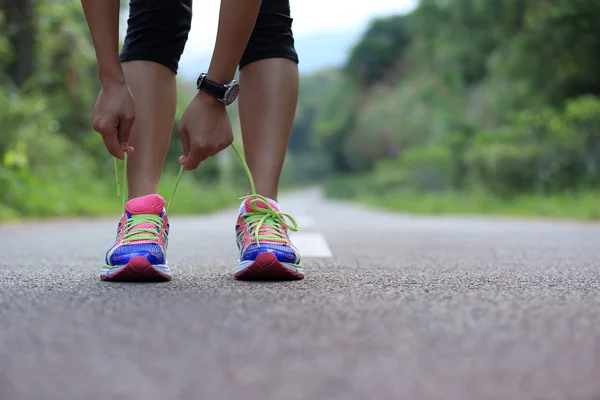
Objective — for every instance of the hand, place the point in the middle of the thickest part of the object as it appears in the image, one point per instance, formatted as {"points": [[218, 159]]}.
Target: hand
{"points": [[204, 130], [113, 118]]}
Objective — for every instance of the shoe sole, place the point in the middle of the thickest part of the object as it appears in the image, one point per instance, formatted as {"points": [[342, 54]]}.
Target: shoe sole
{"points": [[138, 269], [268, 268]]}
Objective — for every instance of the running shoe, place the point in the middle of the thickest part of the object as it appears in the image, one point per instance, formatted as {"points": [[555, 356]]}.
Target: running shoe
{"points": [[266, 252], [139, 252]]}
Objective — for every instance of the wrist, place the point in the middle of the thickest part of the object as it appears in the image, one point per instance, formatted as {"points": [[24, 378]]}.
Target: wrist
{"points": [[112, 76], [207, 99], [221, 76], [224, 93]]}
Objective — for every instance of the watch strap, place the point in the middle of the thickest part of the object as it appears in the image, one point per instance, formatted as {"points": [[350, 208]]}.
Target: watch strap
{"points": [[212, 88]]}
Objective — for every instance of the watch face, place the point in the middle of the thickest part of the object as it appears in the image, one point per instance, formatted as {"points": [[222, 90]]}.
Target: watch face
{"points": [[232, 94]]}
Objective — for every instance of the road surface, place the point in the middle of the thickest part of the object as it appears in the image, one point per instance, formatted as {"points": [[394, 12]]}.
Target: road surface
{"points": [[392, 307]]}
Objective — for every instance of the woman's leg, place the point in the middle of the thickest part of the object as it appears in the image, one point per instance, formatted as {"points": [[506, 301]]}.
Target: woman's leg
{"points": [[269, 94], [268, 97], [156, 36]]}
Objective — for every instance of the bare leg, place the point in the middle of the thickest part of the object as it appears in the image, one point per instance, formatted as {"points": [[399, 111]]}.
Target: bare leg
{"points": [[268, 100], [154, 90]]}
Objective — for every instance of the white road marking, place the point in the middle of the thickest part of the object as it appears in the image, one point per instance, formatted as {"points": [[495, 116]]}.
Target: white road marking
{"points": [[311, 245]]}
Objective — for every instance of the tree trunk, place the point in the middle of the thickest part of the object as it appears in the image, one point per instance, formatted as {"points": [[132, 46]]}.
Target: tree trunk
{"points": [[19, 16]]}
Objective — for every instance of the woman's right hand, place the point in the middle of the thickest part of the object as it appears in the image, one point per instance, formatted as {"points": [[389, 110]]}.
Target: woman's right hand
{"points": [[113, 118]]}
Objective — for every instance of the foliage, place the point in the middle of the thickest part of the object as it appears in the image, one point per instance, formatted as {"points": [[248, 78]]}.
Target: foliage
{"points": [[495, 103], [379, 52], [496, 100], [580, 206], [543, 151], [51, 163]]}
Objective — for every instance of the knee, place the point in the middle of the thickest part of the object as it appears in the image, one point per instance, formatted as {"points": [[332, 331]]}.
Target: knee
{"points": [[272, 36], [157, 30]]}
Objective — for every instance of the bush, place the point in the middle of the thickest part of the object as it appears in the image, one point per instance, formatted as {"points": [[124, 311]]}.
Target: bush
{"points": [[539, 152], [422, 168], [542, 151], [503, 168], [42, 172], [583, 115]]}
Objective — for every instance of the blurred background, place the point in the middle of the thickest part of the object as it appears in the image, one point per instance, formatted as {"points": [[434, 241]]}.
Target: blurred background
{"points": [[431, 106]]}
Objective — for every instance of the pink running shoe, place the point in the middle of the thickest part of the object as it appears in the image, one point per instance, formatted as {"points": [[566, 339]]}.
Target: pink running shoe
{"points": [[139, 253], [266, 252]]}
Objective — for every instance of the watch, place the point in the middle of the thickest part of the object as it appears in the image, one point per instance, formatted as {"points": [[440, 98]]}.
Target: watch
{"points": [[226, 94]]}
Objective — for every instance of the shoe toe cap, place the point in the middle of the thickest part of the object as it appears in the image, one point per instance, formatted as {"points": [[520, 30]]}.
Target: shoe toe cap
{"points": [[284, 254], [151, 251]]}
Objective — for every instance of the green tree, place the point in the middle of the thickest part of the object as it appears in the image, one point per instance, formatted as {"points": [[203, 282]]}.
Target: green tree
{"points": [[19, 28], [379, 53]]}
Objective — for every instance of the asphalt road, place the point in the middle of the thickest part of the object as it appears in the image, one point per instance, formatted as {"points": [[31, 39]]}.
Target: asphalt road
{"points": [[407, 308]]}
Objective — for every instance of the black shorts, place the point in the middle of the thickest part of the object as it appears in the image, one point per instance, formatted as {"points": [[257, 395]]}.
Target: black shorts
{"points": [[157, 30]]}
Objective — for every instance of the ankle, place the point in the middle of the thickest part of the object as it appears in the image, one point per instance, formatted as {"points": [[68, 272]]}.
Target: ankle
{"points": [[140, 191], [269, 194]]}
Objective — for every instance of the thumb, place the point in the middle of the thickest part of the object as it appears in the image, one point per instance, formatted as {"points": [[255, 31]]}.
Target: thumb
{"points": [[124, 129], [112, 143], [185, 143]]}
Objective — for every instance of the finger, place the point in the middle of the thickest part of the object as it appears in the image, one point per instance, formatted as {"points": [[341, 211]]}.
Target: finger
{"points": [[185, 144], [193, 160], [185, 141], [125, 125], [219, 148], [112, 145], [224, 146], [196, 155], [214, 151], [108, 130]]}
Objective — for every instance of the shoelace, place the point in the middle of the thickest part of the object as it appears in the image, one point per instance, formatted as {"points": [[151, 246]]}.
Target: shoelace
{"points": [[122, 184], [140, 226], [264, 217], [134, 230], [266, 223]]}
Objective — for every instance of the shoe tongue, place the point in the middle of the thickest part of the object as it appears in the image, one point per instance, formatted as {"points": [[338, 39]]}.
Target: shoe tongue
{"points": [[150, 204], [258, 204]]}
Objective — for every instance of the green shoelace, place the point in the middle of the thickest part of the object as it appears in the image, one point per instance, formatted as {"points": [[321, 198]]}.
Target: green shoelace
{"points": [[143, 233], [264, 222], [267, 223]]}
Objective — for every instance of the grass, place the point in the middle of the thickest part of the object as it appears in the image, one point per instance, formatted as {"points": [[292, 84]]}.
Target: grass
{"points": [[582, 206], [99, 198], [193, 197]]}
